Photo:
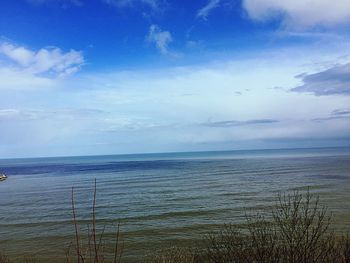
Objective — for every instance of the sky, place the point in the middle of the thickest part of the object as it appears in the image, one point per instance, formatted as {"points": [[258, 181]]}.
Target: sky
{"points": [[94, 77]]}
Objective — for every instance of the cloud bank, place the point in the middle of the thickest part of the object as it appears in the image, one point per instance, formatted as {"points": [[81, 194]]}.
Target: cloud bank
{"points": [[295, 13], [166, 109], [333, 81]]}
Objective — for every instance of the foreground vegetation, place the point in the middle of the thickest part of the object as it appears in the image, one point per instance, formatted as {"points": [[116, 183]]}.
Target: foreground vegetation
{"points": [[297, 230]]}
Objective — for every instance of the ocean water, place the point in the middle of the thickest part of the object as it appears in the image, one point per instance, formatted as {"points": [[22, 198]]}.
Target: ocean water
{"points": [[160, 200]]}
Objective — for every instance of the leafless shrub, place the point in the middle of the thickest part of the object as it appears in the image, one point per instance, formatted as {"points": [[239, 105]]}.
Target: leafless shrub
{"points": [[297, 231], [344, 248], [91, 250]]}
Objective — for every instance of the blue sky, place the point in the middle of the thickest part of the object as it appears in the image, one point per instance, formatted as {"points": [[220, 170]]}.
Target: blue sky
{"points": [[126, 76]]}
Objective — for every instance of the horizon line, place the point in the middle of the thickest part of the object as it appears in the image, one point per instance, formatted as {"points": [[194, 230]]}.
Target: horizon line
{"points": [[175, 152]]}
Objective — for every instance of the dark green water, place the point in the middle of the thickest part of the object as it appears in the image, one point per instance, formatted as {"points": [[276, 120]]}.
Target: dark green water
{"points": [[160, 199]]}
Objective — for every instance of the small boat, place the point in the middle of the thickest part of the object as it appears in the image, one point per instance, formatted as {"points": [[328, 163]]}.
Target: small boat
{"points": [[3, 177]]}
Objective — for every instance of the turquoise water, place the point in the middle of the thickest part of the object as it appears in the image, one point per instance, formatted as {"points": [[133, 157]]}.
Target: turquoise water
{"points": [[160, 199]]}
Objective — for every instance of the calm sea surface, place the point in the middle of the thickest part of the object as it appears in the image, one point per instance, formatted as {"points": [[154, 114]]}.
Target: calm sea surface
{"points": [[160, 199]]}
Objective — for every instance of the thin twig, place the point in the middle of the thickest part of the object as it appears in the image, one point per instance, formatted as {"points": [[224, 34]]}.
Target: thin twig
{"points": [[116, 244], [76, 228], [94, 225]]}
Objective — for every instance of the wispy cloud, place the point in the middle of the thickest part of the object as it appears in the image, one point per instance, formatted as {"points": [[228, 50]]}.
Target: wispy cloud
{"points": [[332, 81], [46, 60], [341, 112], [301, 14], [153, 4], [34, 114], [61, 2], [331, 118], [205, 11], [15, 114], [161, 39], [233, 123], [338, 114]]}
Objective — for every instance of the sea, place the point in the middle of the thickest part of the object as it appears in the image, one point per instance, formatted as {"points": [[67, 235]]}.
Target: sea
{"points": [[159, 200]]}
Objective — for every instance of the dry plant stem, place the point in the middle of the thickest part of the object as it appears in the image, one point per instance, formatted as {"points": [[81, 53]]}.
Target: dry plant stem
{"points": [[94, 224], [117, 259], [76, 228], [67, 253], [100, 239], [89, 244]]}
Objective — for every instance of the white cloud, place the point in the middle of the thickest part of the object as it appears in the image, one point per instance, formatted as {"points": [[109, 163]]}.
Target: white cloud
{"points": [[160, 38], [46, 60], [300, 13], [20, 55], [204, 11]]}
